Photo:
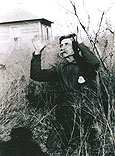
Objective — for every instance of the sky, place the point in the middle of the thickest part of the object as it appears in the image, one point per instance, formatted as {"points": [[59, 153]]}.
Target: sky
{"points": [[61, 12]]}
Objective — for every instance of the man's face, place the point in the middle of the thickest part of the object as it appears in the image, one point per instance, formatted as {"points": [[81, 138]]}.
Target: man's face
{"points": [[66, 48]]}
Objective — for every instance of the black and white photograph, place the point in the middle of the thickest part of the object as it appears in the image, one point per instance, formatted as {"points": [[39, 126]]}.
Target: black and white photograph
{"points": [[57, 78]]}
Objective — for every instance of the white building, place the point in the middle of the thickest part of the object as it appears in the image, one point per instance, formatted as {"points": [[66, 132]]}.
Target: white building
{"points": [[18, 27]]}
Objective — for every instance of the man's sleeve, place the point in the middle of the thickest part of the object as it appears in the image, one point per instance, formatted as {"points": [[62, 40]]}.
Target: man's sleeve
{"points": [[42, 75], [88, 56]]}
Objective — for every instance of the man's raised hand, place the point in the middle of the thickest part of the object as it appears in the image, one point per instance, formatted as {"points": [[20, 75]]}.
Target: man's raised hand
{"points": [[38, 45]]}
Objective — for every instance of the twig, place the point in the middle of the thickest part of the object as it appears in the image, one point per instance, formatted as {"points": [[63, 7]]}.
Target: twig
{"points": [[90, 39]]}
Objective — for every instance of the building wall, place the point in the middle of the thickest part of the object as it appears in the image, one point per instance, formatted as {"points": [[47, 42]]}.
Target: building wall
{"points": [[17, 34]]}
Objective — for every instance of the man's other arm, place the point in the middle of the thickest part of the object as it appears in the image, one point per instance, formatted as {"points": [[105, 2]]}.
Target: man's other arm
{"points": [[88, 56]]}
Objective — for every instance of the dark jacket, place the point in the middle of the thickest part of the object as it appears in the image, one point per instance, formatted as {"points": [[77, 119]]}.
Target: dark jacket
{"points": [[67, 74]]}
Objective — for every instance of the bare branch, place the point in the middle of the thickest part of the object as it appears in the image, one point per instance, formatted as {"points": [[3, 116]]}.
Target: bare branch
{"points": [[95, 40], [112, 32], [89, 37]]}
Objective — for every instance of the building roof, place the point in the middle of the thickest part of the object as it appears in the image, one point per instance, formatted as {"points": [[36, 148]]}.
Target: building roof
{"points": [[19, 15]]}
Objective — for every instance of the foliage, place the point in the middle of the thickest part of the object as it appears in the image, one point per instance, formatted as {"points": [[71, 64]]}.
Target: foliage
{"points": [[32, 104], [24, 102]]}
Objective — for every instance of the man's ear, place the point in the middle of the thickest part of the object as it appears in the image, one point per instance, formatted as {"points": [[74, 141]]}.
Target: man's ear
{"points": [[75, 38], [72, 39]]}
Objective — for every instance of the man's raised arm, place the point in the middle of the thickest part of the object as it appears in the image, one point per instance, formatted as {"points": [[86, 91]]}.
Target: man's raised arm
{"points": [[38, 74]]}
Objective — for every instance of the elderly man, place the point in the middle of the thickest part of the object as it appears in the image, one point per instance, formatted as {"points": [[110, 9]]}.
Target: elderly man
{"points": [[77, 71]]}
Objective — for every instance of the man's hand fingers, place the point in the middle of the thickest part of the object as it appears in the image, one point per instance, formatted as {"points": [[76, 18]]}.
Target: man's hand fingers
{"points": [[38, 44]]}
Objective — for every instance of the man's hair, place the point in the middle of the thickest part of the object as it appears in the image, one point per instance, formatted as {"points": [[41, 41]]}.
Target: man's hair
{"points": [[66, 36]]}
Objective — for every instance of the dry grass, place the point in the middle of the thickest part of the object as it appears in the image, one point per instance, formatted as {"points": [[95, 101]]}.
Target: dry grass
{"points": [[16, 110]]}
